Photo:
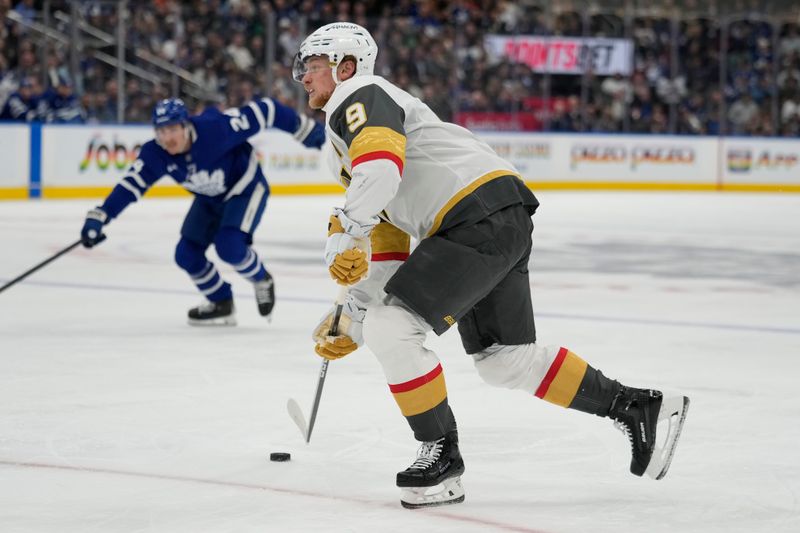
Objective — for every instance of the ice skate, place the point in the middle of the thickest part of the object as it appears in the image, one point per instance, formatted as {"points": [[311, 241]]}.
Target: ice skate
{"points": [[652, 424], [213, 314], [435, 477], [265, 295]]}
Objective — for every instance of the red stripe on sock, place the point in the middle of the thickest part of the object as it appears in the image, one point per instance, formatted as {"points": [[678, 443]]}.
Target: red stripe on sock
{"points": [[551, 373], [416, 382]]}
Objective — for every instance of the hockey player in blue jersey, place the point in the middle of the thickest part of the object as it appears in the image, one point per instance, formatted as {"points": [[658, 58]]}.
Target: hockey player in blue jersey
{"points": [[210, 156]]}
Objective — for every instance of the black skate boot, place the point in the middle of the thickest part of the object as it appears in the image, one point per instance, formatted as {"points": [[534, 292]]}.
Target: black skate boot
{"points": [[265, 295], [213, 314], [435, 477], [637, 413]]}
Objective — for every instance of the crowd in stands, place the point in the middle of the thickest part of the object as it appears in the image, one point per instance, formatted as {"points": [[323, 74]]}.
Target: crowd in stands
{"points": [[433, 49]]}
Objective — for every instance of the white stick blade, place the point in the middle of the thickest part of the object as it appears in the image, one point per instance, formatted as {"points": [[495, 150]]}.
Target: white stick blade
{"points": [[297, 415]]}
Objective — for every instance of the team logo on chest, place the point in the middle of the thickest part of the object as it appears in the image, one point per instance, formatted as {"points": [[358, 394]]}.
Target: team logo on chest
{"points": [[204, 183]]}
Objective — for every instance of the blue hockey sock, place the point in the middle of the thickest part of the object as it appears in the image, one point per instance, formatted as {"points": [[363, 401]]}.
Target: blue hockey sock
{"points": [[251, 267], [211, 284]]}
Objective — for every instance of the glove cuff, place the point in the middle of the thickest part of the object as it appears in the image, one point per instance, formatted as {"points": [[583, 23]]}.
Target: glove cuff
{"points": [[350, 226], [97, 214], [305, 127], [354, 308]]}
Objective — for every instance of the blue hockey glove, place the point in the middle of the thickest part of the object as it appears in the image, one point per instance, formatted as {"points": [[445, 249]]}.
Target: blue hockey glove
{"points": [[92, 231], [310, 132]]}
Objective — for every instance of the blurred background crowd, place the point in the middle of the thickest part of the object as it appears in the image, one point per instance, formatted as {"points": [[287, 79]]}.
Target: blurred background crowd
{"points": [[704, 67]]}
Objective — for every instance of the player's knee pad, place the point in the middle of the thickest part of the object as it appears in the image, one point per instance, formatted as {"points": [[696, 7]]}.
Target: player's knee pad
{"points": [[391, 328], [231, 245], [521, 366], [396, 336], [190, 256]]}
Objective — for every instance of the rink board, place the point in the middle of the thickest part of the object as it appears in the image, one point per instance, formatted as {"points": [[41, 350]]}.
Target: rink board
{"points": [[86, 161]]}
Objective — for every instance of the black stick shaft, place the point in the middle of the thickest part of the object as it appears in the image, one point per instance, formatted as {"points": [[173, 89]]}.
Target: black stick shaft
{"points": [[40, 265], [324, 369]]}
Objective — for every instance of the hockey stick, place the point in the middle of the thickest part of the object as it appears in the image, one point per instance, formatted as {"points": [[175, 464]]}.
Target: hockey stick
{"points": [[40, 265], [292, 406]]}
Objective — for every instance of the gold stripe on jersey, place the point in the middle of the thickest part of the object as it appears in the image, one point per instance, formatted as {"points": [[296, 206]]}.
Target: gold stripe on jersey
{"points": [[373, 139], [389, 243], [486, 178]]}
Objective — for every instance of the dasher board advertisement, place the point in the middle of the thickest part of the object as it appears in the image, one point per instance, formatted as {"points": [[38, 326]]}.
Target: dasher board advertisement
{"points": [[761, 161], [15, 156], [606, 160], [89, 156], [97, 156]]}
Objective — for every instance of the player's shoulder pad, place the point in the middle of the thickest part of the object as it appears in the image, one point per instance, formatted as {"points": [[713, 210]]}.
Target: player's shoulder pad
{"points": [[209, 118], [367, 106]]}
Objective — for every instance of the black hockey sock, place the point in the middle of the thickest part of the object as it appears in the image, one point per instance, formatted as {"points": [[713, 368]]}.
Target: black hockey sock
{"points": [[595, 394], [433, 423]]}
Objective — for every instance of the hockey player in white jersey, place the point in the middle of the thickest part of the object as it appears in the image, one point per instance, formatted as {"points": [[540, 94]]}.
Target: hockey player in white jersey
{"points": [[410, 175], [210, 156]]}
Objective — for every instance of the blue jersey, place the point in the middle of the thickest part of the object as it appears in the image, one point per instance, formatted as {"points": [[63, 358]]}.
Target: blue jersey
{"points": [[220, 163], [59, 109], [19, 108]]}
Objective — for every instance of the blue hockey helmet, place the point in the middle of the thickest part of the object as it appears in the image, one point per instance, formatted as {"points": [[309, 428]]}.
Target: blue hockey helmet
{"points": [[170, 111]]}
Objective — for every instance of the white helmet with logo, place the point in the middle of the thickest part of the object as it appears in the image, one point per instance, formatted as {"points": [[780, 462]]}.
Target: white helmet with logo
{"points": [[337, 41]]}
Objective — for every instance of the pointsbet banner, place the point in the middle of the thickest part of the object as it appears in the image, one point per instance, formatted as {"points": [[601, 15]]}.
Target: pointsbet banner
{"points": [[85, 156], [564, 55]]}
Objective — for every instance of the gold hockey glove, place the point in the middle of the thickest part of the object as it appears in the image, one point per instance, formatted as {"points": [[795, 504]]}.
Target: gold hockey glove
{"points": [[349, 336]]}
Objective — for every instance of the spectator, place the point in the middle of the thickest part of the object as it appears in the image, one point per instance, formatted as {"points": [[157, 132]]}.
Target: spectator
{"points": [[790, 43], [26, 10], [435, 50], [8, 83], [742, 114], [790, 109], [289, 39], [61, 105], [239, 52], [21, 105], [561, 120], [618, 91]]}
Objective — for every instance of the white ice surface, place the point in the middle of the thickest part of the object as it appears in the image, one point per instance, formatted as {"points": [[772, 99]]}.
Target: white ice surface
{"points": [[117, 416]]}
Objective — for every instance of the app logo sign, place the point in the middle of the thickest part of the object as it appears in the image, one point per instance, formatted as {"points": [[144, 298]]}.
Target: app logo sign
{"points": [[103, 155], [743, 160]]}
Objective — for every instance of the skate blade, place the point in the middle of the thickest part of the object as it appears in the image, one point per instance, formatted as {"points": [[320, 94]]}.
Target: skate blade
{"points": [[671, 417], [214, 322], [448, 492]]}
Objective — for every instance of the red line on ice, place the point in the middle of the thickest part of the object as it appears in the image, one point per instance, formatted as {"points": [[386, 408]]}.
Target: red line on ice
{"points": [[280, 490]]}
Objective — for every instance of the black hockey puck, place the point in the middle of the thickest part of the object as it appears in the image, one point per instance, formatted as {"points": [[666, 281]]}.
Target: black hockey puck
{"points": [[280, 456]]}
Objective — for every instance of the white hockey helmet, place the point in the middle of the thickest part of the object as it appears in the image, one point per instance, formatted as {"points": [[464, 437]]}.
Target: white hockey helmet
{"points": [[337, 41]]}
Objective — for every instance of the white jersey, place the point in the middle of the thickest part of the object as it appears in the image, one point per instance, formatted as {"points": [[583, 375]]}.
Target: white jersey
{"points": [[398, 160]]}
